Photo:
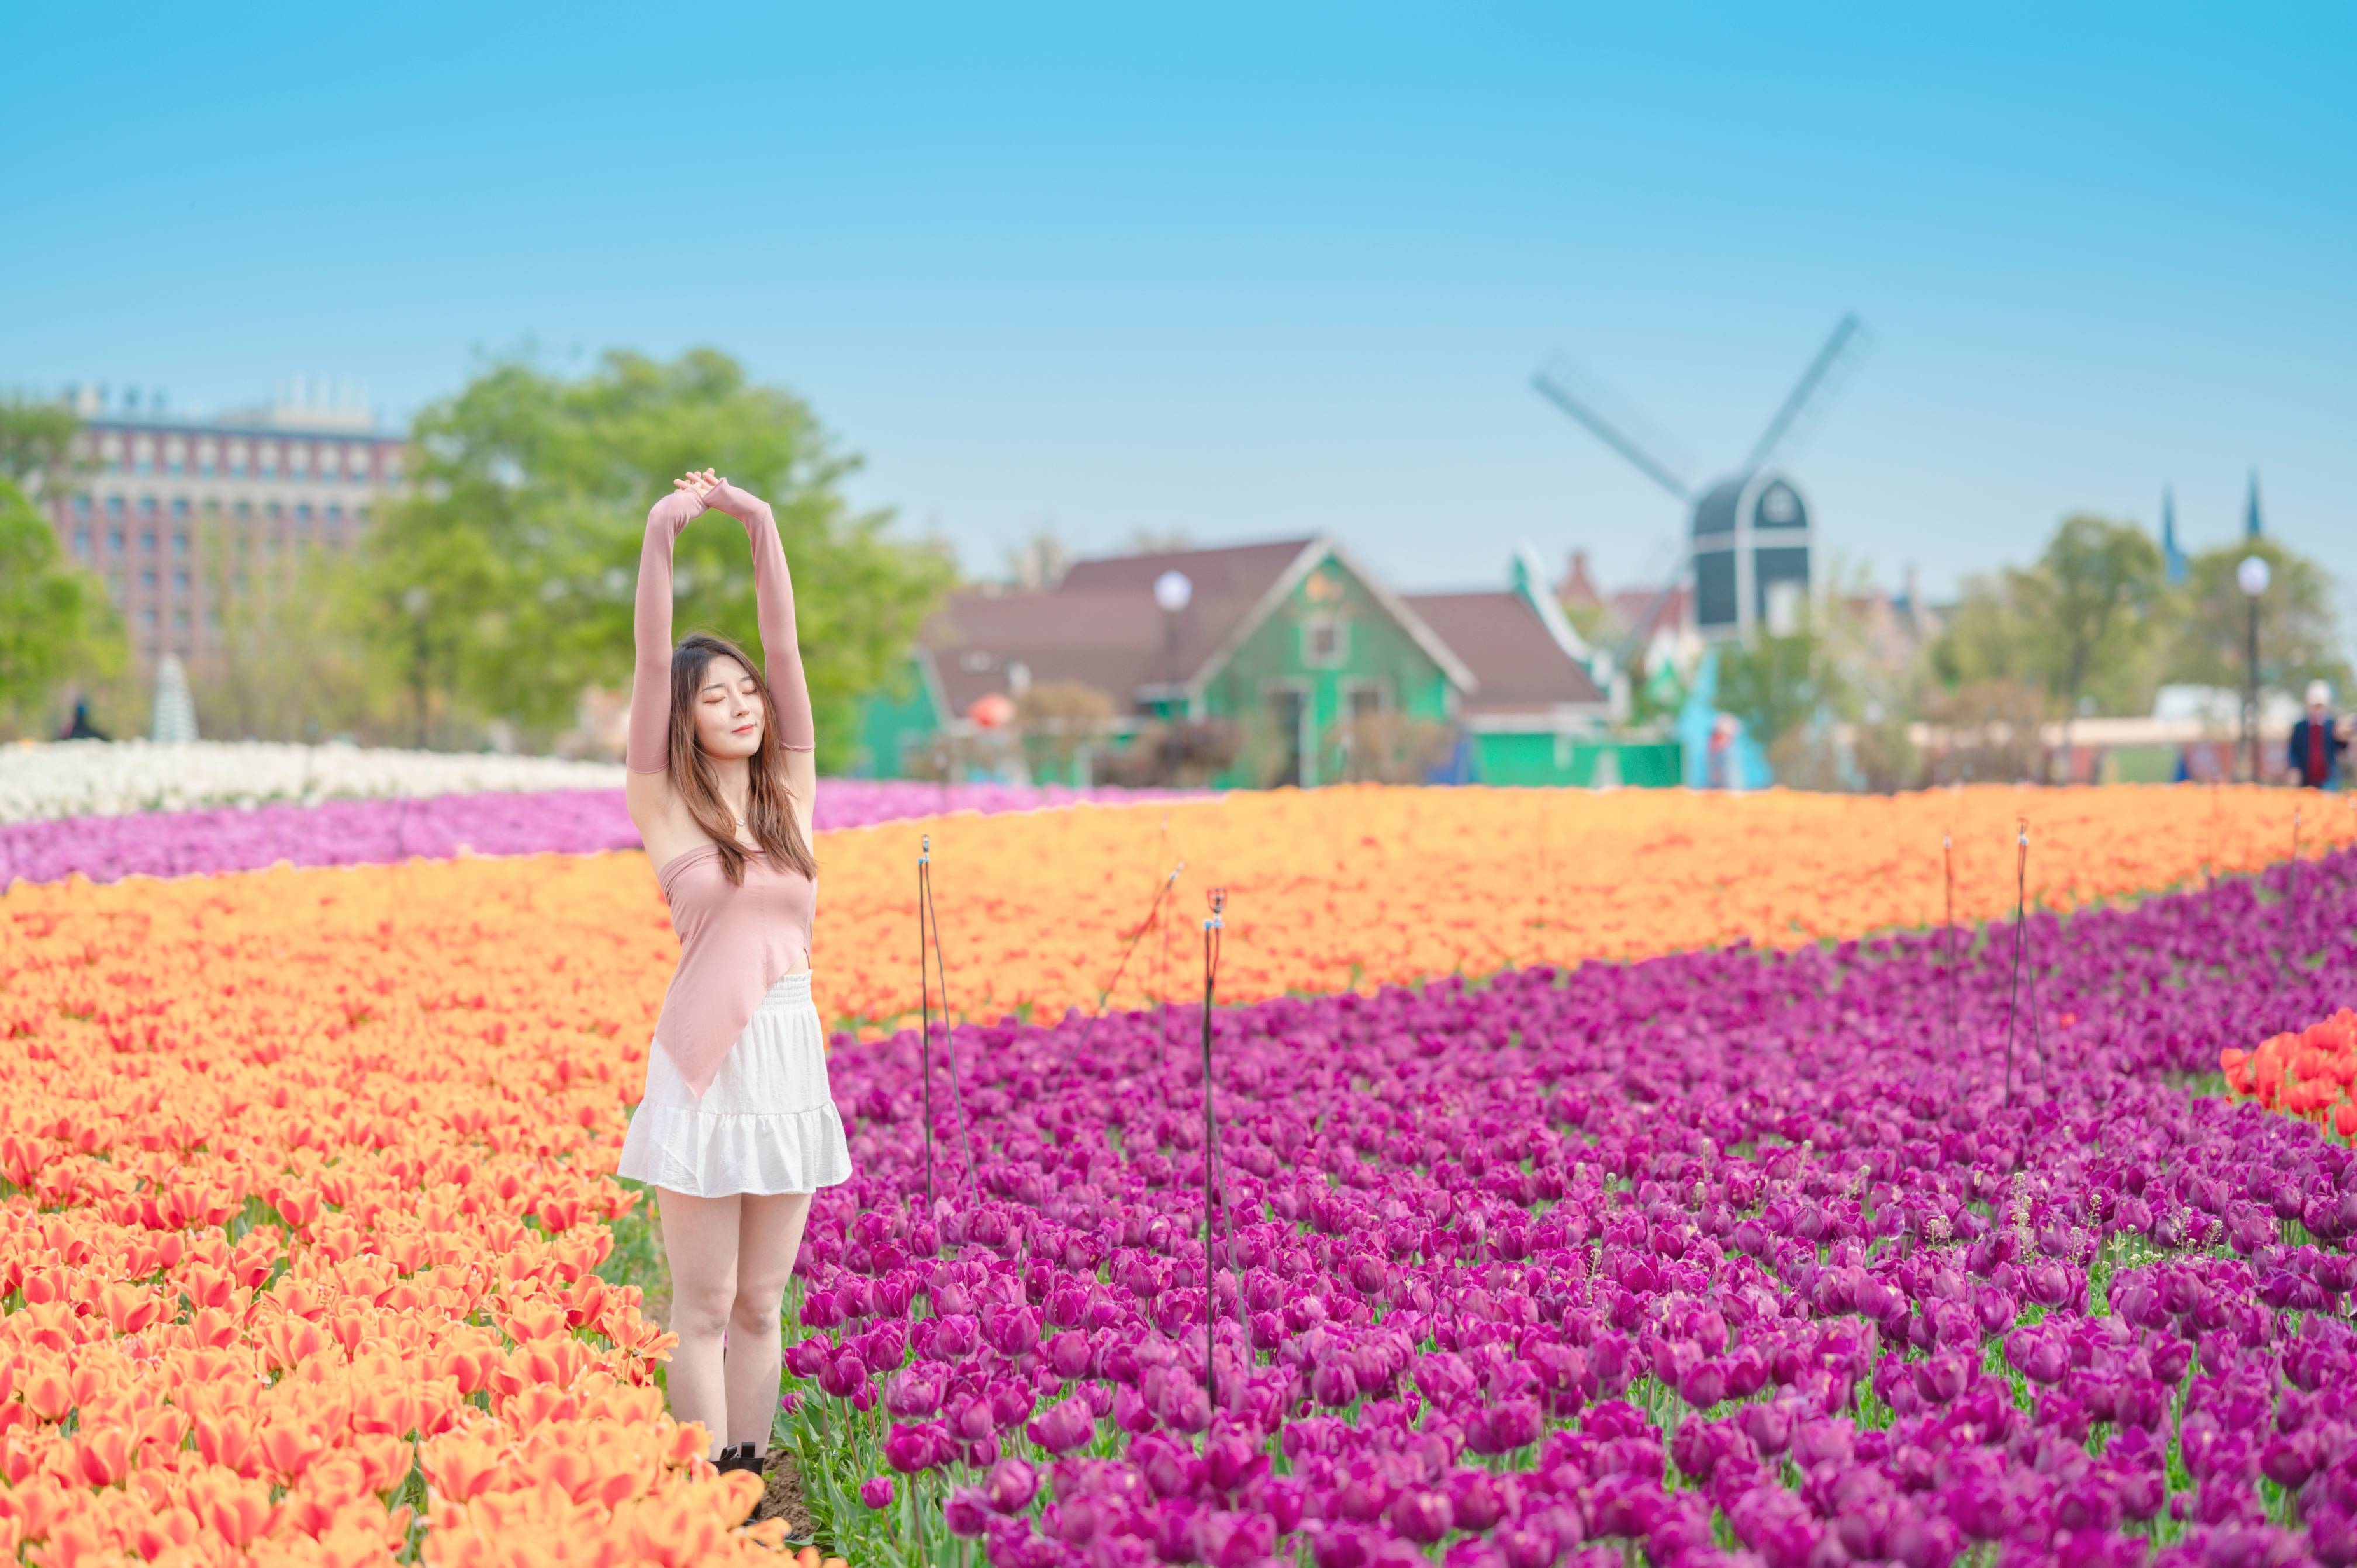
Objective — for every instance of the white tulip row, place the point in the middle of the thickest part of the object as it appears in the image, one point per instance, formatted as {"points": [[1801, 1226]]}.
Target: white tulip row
{"points": [[95, 777]]}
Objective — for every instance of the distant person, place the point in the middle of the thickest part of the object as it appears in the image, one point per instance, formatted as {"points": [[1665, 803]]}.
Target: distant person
{"points": [[2313, 758], [737, 1128], [81, 728]]}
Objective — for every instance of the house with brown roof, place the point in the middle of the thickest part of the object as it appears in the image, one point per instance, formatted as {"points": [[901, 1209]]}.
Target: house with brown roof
{"points": [[1293, 644]]}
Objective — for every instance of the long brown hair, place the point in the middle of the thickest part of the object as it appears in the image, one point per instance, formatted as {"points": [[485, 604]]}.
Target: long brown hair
{"points": [[768, 804]]}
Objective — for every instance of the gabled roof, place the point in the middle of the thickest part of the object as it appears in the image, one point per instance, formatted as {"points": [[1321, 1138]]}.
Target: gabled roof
{"points": [[1100, 628], [1112, 640], [1520, 665], [1234, 588]]}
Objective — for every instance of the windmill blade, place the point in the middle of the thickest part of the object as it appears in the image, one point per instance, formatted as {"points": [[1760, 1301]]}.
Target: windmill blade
{"points": [[1833, 361], [1571, 390]]}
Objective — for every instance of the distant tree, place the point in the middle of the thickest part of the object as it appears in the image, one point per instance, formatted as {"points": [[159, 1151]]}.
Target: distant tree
{"points": [[2299, 638], [1985, 731], [1039, 561], [35, 442], [503, 584], [2082, 622], [1987, 636], [2089, 601], [1159, 541], [1057, 719], [56, 623], [1775, 684]]}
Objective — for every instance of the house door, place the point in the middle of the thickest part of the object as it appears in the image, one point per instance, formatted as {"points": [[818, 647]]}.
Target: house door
{"points": [[1286, 713]]}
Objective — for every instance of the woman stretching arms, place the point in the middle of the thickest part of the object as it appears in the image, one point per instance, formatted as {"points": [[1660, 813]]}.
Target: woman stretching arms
{"points": [[737, 1128]]}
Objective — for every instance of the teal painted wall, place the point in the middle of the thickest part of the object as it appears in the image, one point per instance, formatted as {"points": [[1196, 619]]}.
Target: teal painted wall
{"points": [[1535, 758], [892, 720], [1375, 651]]}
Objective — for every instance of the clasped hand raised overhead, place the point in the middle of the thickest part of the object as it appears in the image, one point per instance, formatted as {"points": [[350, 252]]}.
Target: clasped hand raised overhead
{"points": [[699, 486]]}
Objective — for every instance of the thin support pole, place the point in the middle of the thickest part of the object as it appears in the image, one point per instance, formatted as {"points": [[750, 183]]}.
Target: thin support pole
{"points": [[949, 1029], [2020, 899], [924, 1014], [1160, 893], [1212, 926], [1948, 863]]}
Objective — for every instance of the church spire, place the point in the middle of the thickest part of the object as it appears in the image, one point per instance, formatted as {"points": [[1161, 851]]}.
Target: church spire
{"points": [[2172, 559]]}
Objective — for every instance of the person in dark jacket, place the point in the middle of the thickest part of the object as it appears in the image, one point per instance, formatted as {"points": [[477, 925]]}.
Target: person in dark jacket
{"points": [[2313, 758], [81, 728]]}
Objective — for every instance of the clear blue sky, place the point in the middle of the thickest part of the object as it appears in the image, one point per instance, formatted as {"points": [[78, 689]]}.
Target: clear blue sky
{"points": [[1267, 269]]}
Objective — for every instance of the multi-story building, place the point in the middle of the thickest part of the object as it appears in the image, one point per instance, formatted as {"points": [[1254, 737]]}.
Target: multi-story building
{"points": [[259, 482]]}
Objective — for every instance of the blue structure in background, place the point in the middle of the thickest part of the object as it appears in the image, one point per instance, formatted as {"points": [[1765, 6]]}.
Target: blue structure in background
{"points": [[2172, 558], [1747, 764]]}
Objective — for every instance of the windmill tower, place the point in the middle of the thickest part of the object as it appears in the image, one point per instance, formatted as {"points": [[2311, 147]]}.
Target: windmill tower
{"points": [[1750, 536]]}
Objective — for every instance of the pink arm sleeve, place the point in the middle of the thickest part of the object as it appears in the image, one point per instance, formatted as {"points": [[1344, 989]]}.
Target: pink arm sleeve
{"points": [[648, 749], [773, 599]]}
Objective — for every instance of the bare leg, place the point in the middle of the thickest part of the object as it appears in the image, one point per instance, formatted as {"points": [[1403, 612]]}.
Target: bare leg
{"points": [[699, 1236], [769, 1235]]}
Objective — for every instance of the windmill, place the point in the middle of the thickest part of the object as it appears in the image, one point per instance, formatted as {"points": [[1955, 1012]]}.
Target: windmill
{"points": [[1748, 534]]}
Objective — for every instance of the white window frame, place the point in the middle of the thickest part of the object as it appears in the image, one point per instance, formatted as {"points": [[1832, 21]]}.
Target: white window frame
{"points": [[1325, 621]]}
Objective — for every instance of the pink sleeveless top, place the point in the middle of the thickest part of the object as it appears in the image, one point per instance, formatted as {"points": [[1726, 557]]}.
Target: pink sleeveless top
{"points": [[734, 943]]}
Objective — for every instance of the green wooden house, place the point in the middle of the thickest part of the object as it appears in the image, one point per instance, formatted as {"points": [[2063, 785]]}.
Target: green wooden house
{"points": [[1287, 639], [1290, 641]]}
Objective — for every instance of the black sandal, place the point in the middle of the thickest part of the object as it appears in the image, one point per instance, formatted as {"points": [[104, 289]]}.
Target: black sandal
{"points": [[737, 1457]]}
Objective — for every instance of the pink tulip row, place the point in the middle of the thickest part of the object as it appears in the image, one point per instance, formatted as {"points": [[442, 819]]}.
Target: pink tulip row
{"points": [[382, 832]]}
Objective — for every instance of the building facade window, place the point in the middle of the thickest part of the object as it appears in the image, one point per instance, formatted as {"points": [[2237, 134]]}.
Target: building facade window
{"points": [[1324, 642], [147, 578], [208, 453], [175, 456], [266, 458], [360, 515], [114, 506], [244, 511], [110, 452], [114, 539], [148, 541], [147, 506], [212, 506], [147, 618], [298, 460], [180, 541], [81, 542], [274, 512], [237, 456], [180, 582], [81, 506], [335, 513], [180, 505]]}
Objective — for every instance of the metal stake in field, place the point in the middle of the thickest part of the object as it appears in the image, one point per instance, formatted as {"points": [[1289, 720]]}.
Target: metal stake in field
{"points": [[1948, 863], [1169, 883], [1212, 927], [924, 1013], [949, 1029], [2020, 900]]}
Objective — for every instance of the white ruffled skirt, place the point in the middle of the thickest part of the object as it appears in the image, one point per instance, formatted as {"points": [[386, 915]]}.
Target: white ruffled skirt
{"points": [[768, 1124]]}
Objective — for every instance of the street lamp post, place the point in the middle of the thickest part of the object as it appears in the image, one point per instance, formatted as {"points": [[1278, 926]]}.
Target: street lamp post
{"points": [[1173, 591], [2250, 575]]}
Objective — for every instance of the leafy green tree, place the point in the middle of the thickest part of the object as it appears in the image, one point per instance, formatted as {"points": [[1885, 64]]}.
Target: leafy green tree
{"points": [[36, 440], [1776, 684], [2299, 637], [2089, 604], [55, 621], [2084, 621], [504, 584]]}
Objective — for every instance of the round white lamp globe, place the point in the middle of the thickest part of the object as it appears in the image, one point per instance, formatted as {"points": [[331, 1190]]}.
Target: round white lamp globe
{"points": [[2253, 574], [1172, 590]]}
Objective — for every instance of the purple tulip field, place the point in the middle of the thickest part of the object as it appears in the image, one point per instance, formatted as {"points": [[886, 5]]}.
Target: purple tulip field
{"points": [[1794, 1258], [386, 831]]}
